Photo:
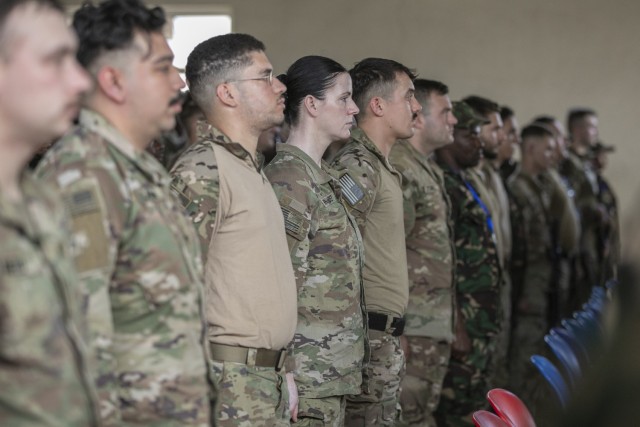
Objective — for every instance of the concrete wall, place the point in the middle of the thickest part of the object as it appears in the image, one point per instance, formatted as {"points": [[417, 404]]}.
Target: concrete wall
{"points": [[538, 56]]}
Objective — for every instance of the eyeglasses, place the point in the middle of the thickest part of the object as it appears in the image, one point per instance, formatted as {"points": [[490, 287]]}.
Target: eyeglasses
{"points": [[268, 78]]}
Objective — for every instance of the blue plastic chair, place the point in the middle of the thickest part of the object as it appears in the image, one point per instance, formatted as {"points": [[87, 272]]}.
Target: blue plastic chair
{"points": [[577, 331], [573, 342], [553, 377], [566, 356]]}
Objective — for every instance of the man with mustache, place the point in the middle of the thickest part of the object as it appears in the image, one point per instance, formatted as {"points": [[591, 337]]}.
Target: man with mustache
{"points": [[137, 253], [251, 308], [477, 273], [384, 93], [43, 368]]}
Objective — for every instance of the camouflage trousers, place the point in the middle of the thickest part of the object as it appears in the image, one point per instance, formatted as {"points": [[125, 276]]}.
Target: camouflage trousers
{"points": [[499, 367], [378, 404], [466, 384], [321, 412], [528, 339], [427, 364], [248, 396]]}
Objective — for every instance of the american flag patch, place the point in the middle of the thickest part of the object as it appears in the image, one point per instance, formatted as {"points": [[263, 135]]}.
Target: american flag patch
{"points": [[350, 190]]}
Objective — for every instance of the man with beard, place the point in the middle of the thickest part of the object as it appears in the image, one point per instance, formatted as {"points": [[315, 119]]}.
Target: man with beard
{"points": [[492, 189], [252, 309], [477, 274], [383, 90], [429, 241], [138, 255]]}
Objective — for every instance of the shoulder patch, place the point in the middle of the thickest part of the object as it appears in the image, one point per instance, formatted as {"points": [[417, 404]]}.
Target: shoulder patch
{"points": [[295, 222], [350, 189]]}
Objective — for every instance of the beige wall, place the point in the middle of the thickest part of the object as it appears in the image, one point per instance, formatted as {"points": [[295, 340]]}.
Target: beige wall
{"points": [[538, 56]]}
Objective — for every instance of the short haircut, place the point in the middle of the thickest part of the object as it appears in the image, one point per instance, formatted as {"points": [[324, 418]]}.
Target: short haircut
{"points": [[375, 77], [112, 26], [482, 106], [309, 75], [538, 130], [215, 60], [547, 120], [8, 6], [576, 114], [506, 113], [424, 89]]}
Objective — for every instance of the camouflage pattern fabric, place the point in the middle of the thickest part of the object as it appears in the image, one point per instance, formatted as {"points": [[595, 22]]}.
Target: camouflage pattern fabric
{"points": [[578, 173], [478, 277], [530, 310], [323, 412], [44, 377], [326, 253], [429, 243], [141, 273], [379, 403], [427, 364], [247, 395]]}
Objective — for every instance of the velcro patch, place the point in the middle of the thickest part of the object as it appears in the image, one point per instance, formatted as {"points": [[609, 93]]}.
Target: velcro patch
{"points": [[351, 190], [82, 202], [294, 223]]}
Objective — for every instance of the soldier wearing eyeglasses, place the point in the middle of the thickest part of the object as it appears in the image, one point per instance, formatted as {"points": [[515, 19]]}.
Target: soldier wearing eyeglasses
{"points": [[251, 304]]}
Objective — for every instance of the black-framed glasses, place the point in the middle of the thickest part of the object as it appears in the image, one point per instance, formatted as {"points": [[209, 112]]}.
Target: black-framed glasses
{"points": [[268, 78]]}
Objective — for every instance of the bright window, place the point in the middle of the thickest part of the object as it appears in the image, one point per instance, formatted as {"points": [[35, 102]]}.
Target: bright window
{"points": [[189, 30]]}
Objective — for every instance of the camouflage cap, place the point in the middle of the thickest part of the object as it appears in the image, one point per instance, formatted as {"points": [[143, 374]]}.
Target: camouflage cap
{"points": [[467, 117]]}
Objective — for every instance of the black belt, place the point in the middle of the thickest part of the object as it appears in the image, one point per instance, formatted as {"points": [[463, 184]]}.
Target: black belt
{"points": [[249, 356], [386, 323]]}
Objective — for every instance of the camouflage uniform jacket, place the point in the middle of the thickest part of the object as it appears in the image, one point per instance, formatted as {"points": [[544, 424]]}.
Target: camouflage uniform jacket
{"points": [[429, 241], [531, 214], [140, 267], [44, 379], [478, 273], [326, 253], [372, 188]]}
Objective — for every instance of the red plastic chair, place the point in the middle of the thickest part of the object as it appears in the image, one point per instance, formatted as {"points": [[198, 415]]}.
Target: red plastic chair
{"points": [[510, 408], [488, 419]]}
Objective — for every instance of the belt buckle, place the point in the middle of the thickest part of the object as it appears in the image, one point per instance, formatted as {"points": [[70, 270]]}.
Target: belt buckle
{"points": [[389, 328], [281, 358]]}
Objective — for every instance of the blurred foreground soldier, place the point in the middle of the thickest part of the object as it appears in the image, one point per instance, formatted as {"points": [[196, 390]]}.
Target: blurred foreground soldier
{"points": [[138, 254], [384, 92], [324, 242], [532, 262], [44, 378], [477, 275], [491, 189], [251, 305], [429, 244]]}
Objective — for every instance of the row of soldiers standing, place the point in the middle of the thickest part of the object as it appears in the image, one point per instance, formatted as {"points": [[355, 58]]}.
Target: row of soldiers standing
{"points": [[397, 293]]}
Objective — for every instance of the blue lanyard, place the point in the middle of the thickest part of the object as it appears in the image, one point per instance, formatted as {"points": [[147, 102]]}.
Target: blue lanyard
{"points": [[482, 205]]}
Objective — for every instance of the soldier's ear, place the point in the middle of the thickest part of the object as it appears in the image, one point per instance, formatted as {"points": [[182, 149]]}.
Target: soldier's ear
{"points": [[227, 94], [377, 106], [311, 105], [110, 82]]}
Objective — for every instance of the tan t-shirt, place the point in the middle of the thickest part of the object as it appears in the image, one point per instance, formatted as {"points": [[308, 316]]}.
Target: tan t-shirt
{"points": [[250, 289], [372, 189]]}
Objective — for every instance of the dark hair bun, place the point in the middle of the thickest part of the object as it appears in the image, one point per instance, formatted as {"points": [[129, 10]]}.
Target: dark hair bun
{"points": [[283, 78]]}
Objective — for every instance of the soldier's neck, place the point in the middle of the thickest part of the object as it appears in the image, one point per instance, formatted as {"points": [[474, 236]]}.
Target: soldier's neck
{"points": [[14, 156], [379, 135], [237, 131]]}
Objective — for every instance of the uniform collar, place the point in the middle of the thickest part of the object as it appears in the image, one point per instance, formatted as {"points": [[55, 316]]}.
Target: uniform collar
{"points": [[320, 174], [208, 132], [144, 161], [359, 135]]}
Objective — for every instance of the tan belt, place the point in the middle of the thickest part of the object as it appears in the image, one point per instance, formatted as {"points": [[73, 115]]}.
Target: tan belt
{"points": [[248, 356]]}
